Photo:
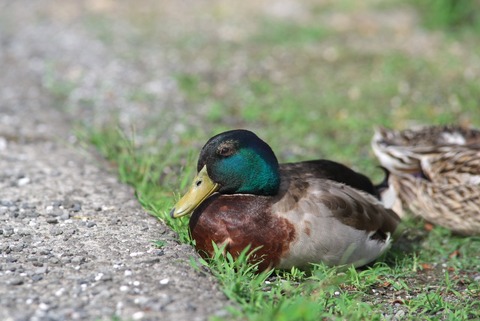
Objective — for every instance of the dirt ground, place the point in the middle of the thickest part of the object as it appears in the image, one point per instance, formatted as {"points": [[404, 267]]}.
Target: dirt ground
{"points": [[74, 242]]}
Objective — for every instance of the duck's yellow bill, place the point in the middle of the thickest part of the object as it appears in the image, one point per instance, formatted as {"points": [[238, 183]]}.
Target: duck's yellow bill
{"points": [[201, 188]]}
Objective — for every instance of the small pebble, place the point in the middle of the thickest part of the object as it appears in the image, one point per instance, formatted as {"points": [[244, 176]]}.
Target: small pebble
{"points": [[76, 207], [78, 260], [18, 247], [52, 220], [91, 224], [45, 251], [138, 315], [57, 203], [37, 264], [164, 281], [7, 231], [54, 260], [11, 259], [43, 306], [104, 276], [68, 233], [56, 231], [16, 281], [37, 277], [23, 181], [65, 216], [41, 270], [5, 249], [60, 292]]}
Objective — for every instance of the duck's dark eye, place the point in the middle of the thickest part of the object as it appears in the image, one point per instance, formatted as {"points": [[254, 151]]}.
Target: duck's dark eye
{"points": [[225, 149]]}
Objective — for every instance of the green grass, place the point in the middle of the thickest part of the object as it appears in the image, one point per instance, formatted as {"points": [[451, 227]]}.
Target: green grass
{"points": [[310, 92], [450, 15], [426, 275]]}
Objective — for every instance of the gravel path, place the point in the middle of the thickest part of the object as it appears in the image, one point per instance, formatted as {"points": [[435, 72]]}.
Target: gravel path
{"points": [[74, 242]]}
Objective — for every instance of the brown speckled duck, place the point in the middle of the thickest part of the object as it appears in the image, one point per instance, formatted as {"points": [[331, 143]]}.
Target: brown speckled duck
{"points": [[295, 213], [434, 174]]}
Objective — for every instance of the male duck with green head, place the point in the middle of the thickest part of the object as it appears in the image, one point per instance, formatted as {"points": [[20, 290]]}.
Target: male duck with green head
{"points": [[294, 213]]}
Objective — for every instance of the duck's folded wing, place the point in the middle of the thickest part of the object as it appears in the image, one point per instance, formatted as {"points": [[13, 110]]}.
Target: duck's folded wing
{"points": [[457, 166], [334, 223], [403, 151], [327, 169], [357, 209]]}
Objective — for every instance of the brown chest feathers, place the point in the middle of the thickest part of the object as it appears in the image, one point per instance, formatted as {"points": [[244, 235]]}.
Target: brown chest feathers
{"points": [[238, 221]]}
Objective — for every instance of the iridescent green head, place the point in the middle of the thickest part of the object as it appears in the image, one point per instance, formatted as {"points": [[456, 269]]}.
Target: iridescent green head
{"points": [[240, 162], [236, 161]]}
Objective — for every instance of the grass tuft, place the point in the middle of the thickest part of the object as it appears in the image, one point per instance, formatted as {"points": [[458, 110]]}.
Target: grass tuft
{"points": [[450, 15]]}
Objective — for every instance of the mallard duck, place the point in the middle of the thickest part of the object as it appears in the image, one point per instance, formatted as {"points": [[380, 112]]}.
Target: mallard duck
{"points": [[292, 214], [434, 173]]}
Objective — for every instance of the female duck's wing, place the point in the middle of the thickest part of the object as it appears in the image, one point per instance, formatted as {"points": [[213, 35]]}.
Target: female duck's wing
{"points": [[399, 153], [455, 207], [402, 151], [334, 223], [455, 167]]}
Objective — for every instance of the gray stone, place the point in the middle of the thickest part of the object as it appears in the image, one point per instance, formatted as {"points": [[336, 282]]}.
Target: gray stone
{"points": [[91, 224], [52, 220], [7, 231], [37, 277], [15, 281], [56, 231]]}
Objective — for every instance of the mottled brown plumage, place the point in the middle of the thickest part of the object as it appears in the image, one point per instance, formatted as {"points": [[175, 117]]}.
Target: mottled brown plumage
{"points": [[434, 174], [402, 151]]}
